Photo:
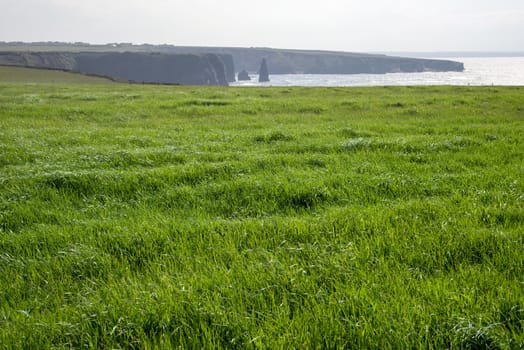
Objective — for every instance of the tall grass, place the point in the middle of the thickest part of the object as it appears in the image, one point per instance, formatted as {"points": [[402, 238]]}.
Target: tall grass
{"points": [[162, 217]]}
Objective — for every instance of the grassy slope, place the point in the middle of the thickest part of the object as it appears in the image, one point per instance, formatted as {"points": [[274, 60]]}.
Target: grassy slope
{"points": [[141, 216], [32, 75]]}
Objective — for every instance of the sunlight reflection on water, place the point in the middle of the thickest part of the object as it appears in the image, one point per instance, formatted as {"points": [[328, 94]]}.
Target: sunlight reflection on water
{"points": [[478, 71]]}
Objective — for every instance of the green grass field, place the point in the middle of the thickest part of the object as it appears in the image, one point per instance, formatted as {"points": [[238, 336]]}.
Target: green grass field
{"points": [[135, 216]]}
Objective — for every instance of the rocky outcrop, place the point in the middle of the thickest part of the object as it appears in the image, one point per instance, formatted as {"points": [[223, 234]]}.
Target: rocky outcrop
{"points": [[216, 70], [229, 66], [187, 69], [243, 76], [263, 73]]}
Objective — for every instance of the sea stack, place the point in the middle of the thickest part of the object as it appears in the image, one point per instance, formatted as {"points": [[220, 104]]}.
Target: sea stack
{"points": [[243, 75], [263, 74]]}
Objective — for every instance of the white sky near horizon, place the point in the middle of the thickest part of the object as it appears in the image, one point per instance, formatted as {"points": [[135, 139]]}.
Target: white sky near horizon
{"points": [[348, 25]]}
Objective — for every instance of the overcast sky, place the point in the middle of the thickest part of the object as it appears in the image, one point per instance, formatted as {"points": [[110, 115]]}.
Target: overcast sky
{"points": [[349, 25]]}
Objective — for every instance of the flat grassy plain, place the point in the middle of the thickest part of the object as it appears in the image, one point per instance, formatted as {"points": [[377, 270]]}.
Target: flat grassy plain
{"points": [[136, 216]]}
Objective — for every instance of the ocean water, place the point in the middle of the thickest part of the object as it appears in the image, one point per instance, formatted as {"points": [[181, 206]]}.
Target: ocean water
{"points": [[478, 71]]}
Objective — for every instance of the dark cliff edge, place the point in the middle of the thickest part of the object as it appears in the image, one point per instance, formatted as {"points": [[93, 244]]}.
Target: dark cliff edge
{"points": [[164, 68], [186, 69], [58, 60], [229, 66]]}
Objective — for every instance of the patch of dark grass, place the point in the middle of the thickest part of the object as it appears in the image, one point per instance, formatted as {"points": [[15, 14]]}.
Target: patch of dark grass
{"points": [[396, 105], [206, 103], [273, 137], [311, 109], [316, 163], [471, 336], [512, 316]]}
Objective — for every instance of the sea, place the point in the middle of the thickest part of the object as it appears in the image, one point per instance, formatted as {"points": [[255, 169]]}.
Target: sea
{"points": [[479, 71]]}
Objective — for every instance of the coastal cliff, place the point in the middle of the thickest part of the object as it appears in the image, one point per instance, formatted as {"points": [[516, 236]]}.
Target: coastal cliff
{"points": [[236, 59], [186, 69], [284, 61]]}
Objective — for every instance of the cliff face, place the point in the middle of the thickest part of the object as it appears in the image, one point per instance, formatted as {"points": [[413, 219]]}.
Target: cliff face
{"points": [[280, 61], [310, 62], [377, 65], [188, 69], [284, 61], [229, 66]]}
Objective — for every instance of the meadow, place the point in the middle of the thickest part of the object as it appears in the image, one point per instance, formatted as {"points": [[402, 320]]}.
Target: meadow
{"points": [[141, 217]]}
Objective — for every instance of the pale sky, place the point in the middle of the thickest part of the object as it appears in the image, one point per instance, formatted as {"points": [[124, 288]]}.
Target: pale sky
{"points": [[348, 25]]}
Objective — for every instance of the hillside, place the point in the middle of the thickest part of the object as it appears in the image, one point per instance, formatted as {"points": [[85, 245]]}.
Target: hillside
{"points": [[10, 74]]}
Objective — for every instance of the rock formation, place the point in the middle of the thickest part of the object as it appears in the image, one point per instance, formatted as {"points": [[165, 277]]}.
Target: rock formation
{"points": [[263, 73], [229, 66], [243, 76]]}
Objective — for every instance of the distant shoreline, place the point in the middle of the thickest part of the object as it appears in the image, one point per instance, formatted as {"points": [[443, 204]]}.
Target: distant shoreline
{"points": [[84, 46], [450, 54]]}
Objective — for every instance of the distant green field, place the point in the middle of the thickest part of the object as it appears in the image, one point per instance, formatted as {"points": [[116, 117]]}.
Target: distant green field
{"points": [[10, 74], [135, 216]]}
